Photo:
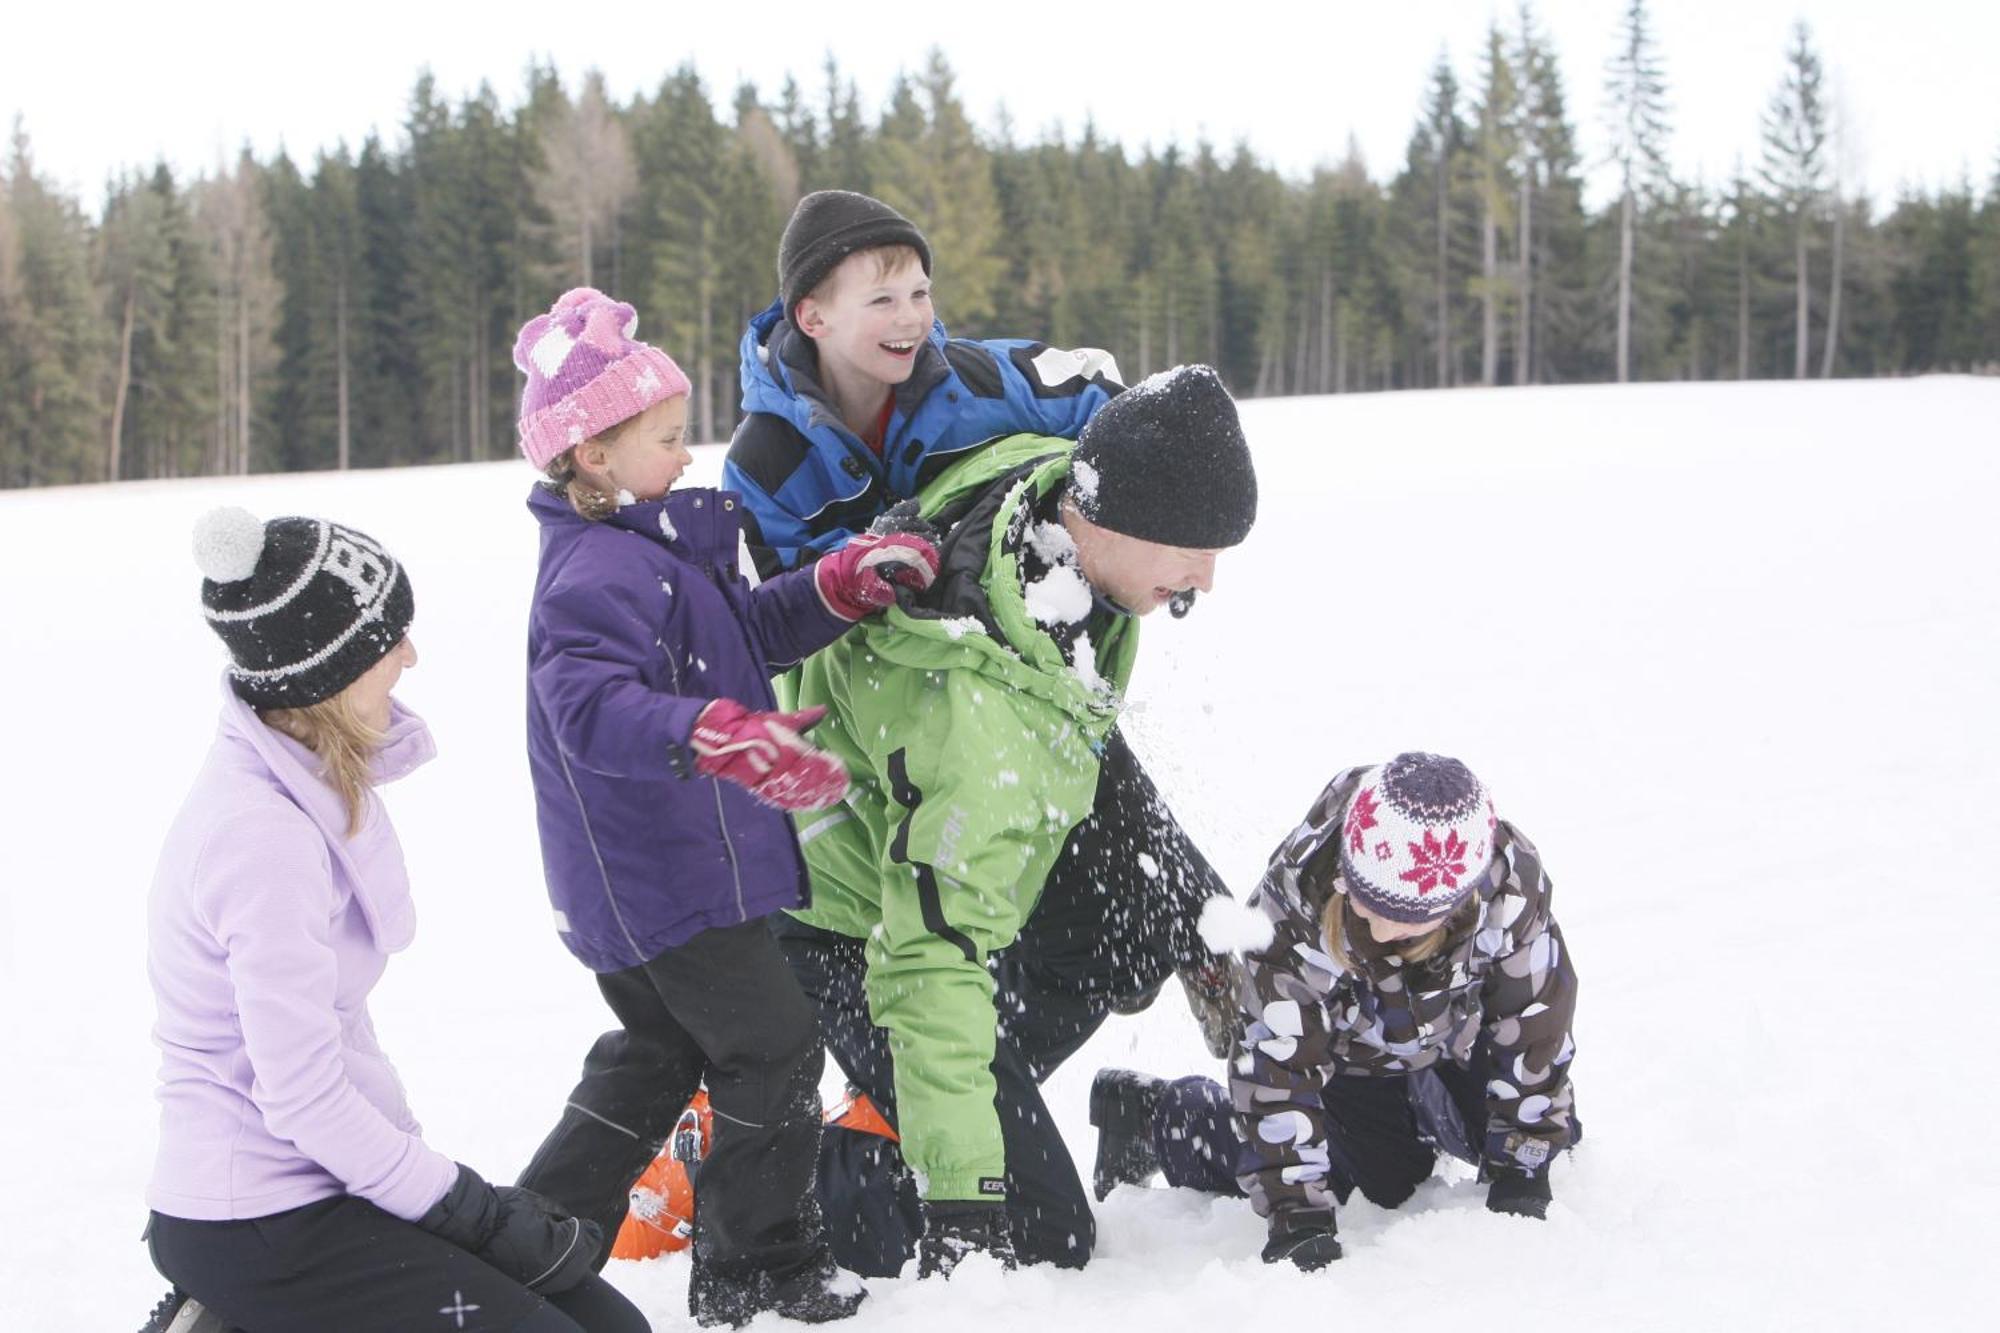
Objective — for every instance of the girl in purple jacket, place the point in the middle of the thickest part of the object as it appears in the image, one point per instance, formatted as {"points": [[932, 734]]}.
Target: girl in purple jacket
{"points": [[664, 775], [293, 1190]]}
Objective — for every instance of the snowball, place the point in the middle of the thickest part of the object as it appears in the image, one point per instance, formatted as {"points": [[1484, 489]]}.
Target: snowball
{"points": [[667, 528], [227, 543], [1228, 926], [1060, 597], [626, 497]]}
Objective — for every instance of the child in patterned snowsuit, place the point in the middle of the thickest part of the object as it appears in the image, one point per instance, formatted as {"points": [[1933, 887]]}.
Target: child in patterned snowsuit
{"points": [[1415, 995]]}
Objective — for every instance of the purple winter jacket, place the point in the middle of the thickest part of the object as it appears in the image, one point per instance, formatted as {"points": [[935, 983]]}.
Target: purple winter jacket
{"points": [[267, 926], [638, 621]]}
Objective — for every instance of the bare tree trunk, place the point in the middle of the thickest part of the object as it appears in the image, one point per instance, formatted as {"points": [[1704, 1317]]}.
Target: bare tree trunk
{"points": [[1625, 288], [242, 384], [1340, 349], [340, 371], [1743, 308], [1833, 299], [705, 361], [1802, 348], [1327, 334], [584, 247], [112, 457], [1526, 286], [1443, 265], [1489, 300]]}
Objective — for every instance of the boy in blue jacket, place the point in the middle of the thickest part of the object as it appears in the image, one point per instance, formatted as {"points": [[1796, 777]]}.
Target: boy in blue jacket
{"points": [[855, 397]]}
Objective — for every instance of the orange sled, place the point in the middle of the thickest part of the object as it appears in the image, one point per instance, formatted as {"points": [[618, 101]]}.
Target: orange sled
{"points": [[661, 1219]]}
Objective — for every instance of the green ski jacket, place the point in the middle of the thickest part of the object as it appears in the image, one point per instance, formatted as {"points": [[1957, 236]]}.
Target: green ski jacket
{"points": [[973, 748]]}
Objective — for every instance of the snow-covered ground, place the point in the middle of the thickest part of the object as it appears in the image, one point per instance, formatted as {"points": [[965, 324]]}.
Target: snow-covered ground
{"points": [[1726, 652]]}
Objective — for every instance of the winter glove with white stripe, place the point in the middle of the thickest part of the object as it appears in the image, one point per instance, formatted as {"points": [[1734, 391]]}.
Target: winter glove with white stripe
{"points": [[516, 1231], [863, 575], [1302, 1237], [1521, 1193], [766, 755]]}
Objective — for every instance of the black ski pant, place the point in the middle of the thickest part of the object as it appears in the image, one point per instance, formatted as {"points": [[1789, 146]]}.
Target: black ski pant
{"points": [[1383, 1132], [343, 1264], [722, 1008], [1115, 917]]}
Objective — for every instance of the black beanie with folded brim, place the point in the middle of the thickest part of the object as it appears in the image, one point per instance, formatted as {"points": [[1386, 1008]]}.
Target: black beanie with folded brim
{"points": [[830, 225], [1166, 461]]}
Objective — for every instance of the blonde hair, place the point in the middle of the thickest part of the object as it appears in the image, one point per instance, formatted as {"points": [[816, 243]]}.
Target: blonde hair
{"points": [[888, 259], [563, 475], [1339, 920], [345, 744]]}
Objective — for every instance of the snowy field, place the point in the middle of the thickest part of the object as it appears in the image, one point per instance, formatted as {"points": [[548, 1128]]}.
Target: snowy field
{"points": [[1726, 652]]}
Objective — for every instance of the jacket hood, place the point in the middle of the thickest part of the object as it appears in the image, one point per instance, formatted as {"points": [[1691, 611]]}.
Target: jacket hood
{"points": [[991, 630], [380, 880], [779, 370], [698, 524]]}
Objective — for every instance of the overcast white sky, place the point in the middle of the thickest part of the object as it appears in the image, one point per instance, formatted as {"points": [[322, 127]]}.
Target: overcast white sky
{"points": [[110, 85]]}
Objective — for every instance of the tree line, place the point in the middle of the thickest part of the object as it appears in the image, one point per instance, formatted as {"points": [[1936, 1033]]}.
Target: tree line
{"points": [[357, 310]]}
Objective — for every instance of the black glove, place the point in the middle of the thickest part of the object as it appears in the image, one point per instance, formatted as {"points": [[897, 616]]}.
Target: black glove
{"points": [[1303, 1238], [955, 1228], [1521, 1193], [904, 517], [517, 1231]]}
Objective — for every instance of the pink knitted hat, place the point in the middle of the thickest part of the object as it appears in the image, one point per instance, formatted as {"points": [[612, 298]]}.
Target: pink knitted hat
{"points": [[586, 373]]}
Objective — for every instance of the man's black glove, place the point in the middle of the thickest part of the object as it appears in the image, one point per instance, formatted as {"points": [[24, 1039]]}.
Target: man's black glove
{"points": [[1303, 1238], [955, 1228], [517, 1231], [1522, 1193]]}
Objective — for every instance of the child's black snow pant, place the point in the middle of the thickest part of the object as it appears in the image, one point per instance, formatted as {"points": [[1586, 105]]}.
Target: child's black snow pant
{"points": [[723, 1008], [343, 1264], [1383, 1132], [1114, 919]]}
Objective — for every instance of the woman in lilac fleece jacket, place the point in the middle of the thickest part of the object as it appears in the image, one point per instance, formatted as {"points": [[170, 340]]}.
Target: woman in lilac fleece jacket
{"points": [[293, 1189]]}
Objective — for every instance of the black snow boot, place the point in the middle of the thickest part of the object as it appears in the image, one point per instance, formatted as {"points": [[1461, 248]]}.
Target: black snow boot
{"points": [[816, 1293], [178, 1312], [1122, 1103], [955, 1229]]}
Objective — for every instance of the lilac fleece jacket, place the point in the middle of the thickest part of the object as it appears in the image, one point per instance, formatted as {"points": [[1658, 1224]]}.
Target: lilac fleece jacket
{"points": [[267, 928]]}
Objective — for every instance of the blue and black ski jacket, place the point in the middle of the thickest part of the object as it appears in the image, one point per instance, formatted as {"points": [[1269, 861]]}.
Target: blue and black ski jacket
{"points": [[809, 483]]}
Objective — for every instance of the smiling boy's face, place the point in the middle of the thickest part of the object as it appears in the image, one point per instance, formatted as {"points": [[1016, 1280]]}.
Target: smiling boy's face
{"points": [[868, 317]]}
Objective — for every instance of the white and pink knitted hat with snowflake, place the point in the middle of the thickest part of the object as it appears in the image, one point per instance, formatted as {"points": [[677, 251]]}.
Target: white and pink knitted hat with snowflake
{"points": [[586, 373], [1417, 837]]}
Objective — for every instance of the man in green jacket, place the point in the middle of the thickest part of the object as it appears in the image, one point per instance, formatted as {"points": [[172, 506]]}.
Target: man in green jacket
{"points": [[1002, 869]]}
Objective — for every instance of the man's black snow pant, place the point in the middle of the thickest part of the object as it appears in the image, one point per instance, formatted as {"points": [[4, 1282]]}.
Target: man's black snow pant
{"points": [[1115, 917], [343, 1264], [721, 1008]]}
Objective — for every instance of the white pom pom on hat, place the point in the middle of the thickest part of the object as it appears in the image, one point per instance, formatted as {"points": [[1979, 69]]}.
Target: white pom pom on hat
{"points": [[228, 542]]}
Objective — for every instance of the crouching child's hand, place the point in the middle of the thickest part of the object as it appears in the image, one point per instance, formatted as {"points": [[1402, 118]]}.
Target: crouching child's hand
{"points": [[516, 1231], [1520, 1193], [766, 755]]}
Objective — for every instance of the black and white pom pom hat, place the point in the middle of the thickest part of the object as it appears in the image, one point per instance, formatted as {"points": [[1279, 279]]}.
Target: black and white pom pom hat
{"points": [[304, 605]]}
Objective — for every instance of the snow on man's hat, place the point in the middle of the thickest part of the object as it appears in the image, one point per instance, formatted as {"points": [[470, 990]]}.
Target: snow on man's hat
{"points": [[305, 606], [1417, 836], [1165, 461]]}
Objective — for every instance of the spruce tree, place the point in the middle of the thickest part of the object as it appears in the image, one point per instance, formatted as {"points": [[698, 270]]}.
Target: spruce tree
{"points": [[1635, 92], [1795, 166]]}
